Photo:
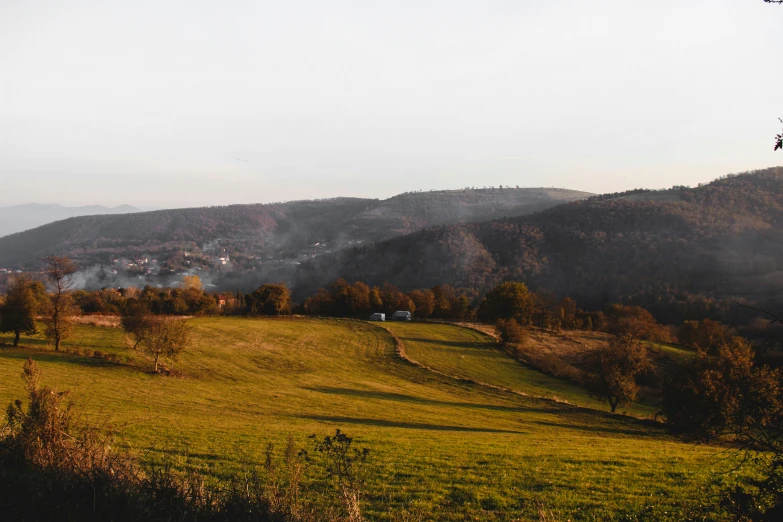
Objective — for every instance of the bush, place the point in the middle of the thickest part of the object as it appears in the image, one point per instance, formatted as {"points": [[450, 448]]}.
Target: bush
{"points": [[54, 468], [510, 331]]}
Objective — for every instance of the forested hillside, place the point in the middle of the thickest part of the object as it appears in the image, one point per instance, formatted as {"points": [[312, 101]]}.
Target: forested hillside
{"points": [[255, 234], [667, 250], [24, 217]]}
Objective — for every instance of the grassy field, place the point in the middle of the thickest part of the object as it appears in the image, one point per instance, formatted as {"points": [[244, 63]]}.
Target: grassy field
{"points": [[446, 448], [468, 354]]}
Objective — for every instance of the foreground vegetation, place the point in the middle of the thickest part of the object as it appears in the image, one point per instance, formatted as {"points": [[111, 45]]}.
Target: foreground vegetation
{"points": [[440, 447]]}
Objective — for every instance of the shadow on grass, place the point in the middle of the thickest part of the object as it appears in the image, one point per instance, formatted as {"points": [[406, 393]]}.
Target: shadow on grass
{"points": [[451, 344], [406, 425], [635, 427], [371, 394], [25, 342], [41, 355]]}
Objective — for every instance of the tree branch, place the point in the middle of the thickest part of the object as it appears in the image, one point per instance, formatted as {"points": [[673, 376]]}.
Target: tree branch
{"points": [[775, 318]]}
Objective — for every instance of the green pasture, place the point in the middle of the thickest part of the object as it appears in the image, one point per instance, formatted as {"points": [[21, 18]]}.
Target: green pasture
{"points": [[445, 448], [469, 354]]}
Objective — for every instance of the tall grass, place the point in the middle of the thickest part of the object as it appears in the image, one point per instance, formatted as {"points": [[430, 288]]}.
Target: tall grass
{"points": [[54, 467]]}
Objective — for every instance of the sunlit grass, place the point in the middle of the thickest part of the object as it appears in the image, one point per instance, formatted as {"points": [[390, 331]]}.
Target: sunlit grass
{"points": [[447, 448]]}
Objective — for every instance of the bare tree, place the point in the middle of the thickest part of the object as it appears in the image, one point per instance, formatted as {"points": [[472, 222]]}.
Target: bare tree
{"points": [[58, 272]]}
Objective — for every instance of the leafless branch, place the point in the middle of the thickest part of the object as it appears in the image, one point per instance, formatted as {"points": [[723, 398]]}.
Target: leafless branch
{"points": [[775, 318]]}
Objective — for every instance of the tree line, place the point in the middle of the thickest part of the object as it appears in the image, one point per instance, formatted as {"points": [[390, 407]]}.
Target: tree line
{"points": [[28, 298]]}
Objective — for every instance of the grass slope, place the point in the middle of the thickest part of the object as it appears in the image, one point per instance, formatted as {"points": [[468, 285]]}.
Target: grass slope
{"points": [[448, 449], [469, 354]]}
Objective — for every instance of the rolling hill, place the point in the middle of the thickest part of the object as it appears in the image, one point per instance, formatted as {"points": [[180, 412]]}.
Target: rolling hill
{"points": [[663, 249], [18, 218], [441, 448], [259, 235]]}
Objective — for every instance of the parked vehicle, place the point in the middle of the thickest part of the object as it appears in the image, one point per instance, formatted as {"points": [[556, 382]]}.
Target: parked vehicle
{"points": [[401, 315], [378, 317]]}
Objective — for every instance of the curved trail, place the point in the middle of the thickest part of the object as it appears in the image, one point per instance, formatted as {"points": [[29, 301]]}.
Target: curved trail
{"points": [[468, 354], [400, 347]]}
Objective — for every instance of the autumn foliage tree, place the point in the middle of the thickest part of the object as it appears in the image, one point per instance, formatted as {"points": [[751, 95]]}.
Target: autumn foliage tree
{"points": [[632, 322], [614, 368], [509, 300], [728, 394], [713, 395], [424, 301], [706, 335], [568, 314], [17, 313], [270, 299]]}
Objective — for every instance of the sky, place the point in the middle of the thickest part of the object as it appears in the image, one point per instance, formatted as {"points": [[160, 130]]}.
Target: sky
{"points": [[190, 103]]}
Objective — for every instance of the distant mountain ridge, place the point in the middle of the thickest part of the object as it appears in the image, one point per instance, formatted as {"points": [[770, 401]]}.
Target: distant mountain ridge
{"points": [[18, 218], [660, 248], [259, 235]]}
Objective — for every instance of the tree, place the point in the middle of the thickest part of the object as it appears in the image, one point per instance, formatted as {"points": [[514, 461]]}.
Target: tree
{"points": [[729, 394], [271, 299], [706, 335], [424, 301], [359, 299], [568, 313], [631, 321], [192, 282], [507, 300], [376, 301], [392, 298], [714, 395], [17, 314], [191, 298], [162, 337], [58, 323], [614, 368], [688, 333], [134, 321], [406, 303], [341, 297], [461, 308], [545, 312], [445, 301]]}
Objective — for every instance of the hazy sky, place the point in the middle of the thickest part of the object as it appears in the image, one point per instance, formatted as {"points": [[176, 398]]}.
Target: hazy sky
{"points": [[192, 103]]}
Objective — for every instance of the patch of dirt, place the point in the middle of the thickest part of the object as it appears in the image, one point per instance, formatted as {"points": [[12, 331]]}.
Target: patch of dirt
{"points": [[103, 321]]}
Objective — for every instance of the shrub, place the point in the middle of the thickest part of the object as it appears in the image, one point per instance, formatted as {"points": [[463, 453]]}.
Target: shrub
{"points": [[54, 468], [510, 331]]}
